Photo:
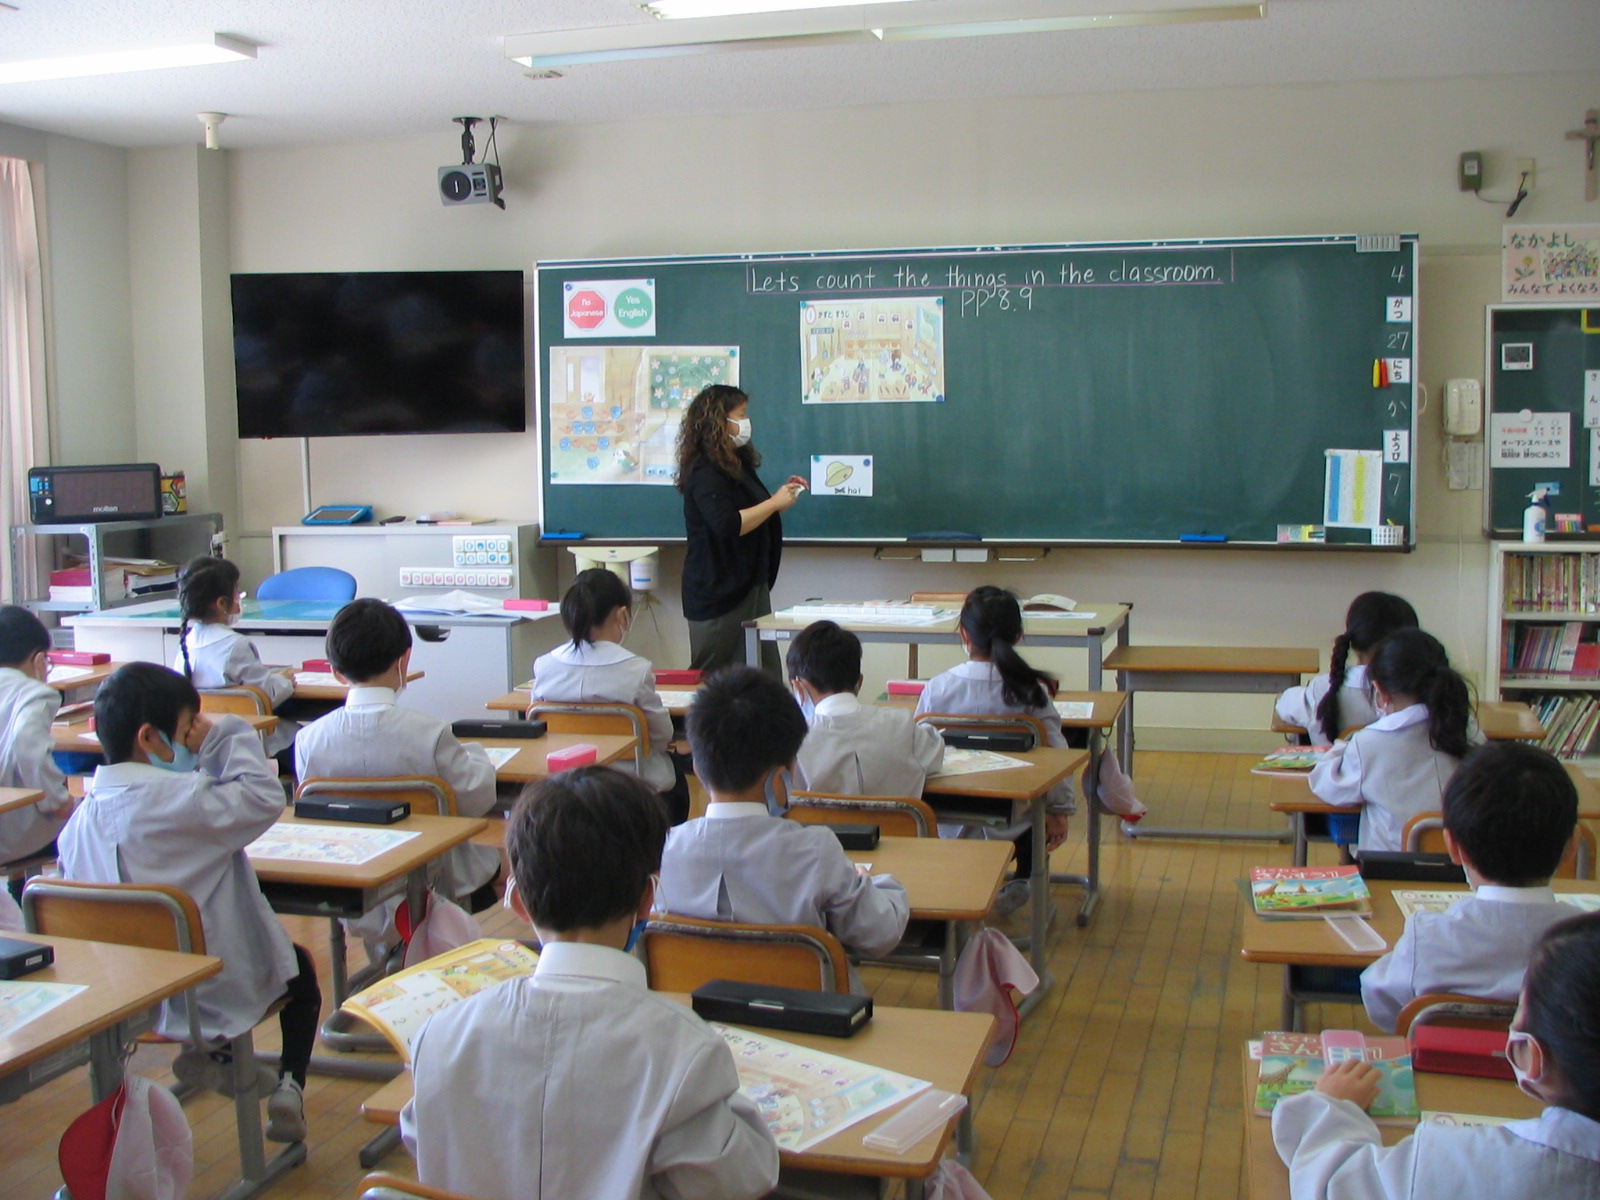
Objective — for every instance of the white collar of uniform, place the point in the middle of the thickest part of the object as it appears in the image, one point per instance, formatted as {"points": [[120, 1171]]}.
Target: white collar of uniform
{"points": [[1356, 676], [1516, 895], [975, 670], [723, 810], [211, 631], [840, 704], [590, 962], [593, 654], [370, 697], [1415, 714], [125, 774], [1564, 1130]]}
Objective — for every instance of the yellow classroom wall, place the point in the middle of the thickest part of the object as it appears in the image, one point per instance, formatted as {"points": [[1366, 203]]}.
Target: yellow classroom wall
{"points": [[1274, 160]]}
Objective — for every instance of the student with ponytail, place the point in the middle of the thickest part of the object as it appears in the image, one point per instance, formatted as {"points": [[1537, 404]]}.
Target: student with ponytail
{"points": [[1342, 698], [1398, 766], [996, 679], [597, 612], [211, 655]]}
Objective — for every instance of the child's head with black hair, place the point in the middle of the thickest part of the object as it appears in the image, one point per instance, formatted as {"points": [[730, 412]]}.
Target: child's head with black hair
{"points": [[743, 726], [991, 627], [583, 845], [1560, 1012], [1411, 667], [1372, 616], [366, 638], [24, 641], [140, 694], [826, 657], [208, 593], [591, 603], [1509, 812]]}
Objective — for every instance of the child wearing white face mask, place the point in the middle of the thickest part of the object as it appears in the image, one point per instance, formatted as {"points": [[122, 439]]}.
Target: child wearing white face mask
{"points": [[211, 655], [593, 667], [1398, 766], [1334, 1151]]}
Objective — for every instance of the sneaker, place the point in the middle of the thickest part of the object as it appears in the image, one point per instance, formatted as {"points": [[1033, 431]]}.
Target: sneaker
{"points": [[286, 1113], [1013, 896], [212, 1071]]}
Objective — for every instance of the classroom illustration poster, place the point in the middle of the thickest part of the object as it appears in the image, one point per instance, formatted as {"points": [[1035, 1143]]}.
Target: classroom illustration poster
{"points": [[615, 410], [1550, 262], [859, 351], [841, 475]]}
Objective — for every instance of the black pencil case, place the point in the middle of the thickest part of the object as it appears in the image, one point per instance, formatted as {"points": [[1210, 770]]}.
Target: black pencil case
{"points": [[1410, 866], [855, 837], [974, 739], [829, 1013], [368, 810], [19, 958], [476, 728]]}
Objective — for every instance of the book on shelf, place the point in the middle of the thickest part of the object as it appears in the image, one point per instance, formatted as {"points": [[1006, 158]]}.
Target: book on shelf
{"points": [[1299, 893], [399, 1005], [1571, 722], [1292, 1063]]}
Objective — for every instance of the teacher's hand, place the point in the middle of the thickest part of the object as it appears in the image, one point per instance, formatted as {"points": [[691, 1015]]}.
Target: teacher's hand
{"points": [[786, 495]]}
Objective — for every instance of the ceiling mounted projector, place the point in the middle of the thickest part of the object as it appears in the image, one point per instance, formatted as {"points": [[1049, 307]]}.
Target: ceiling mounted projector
{"points": [[470, 183]]}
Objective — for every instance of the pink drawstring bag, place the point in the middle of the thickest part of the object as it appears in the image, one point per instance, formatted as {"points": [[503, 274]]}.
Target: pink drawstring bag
{"points": [[1116, 789], [134, 1145], [989, 970], [952, 1181], [444, 926]]}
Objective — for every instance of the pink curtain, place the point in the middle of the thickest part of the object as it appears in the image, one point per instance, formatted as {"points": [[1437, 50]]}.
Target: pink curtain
{"points": [[24, 440]]}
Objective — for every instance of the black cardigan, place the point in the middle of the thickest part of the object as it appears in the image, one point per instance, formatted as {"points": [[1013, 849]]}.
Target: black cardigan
{"points": [[722, 566]]}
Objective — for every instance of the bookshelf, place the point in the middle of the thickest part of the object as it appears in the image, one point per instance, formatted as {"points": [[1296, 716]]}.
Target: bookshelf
{"points": [[1544, 641], [175, 539]]}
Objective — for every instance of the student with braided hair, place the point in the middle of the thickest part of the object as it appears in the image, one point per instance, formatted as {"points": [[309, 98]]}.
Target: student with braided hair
{"points": [[1342, 698], [211, 655], [1398, 766]]}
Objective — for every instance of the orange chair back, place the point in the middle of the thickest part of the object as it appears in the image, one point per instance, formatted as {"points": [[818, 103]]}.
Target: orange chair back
{"points": [[681, 953]]}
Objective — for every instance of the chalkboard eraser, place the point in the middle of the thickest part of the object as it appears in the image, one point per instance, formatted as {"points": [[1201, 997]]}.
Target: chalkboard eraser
{"points": [[562, 535], [1202, 537], [945, 535]]}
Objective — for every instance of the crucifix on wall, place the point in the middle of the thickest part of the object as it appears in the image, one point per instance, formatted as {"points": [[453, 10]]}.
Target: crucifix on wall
{"points": [[1589, 135]]}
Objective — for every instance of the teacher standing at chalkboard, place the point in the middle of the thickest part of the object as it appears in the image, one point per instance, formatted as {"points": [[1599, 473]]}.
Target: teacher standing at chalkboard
{"points": [[734, 530]]}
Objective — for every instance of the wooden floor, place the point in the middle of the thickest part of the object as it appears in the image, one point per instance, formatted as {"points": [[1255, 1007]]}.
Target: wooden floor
{"points": [[1124, 1082]]}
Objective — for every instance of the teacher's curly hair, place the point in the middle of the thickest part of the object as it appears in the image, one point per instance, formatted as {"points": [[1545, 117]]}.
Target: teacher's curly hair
{"points": [[704, 433]]}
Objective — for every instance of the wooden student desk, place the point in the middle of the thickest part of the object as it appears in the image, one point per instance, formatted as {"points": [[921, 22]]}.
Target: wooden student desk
{"points": [[66, 681], [124, 984], [12, 798], [335, 891], [944, 1048], [333, 693], [529, 764], [1313, 943], [1245, 669], [1009, 795], [675, 698], [1269, 1177], [71, 737], [1500, 720]]}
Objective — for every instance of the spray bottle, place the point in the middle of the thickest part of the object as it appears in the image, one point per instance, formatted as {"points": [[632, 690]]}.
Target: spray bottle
{"points": [[1535, 517]]}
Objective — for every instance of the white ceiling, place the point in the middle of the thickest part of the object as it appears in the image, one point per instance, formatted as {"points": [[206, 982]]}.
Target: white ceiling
{"points": [[346, 70]]}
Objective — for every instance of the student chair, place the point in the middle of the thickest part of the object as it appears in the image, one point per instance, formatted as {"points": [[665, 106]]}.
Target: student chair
{"points": [[309, 583], [1455, 1010], [589, 716], [895, 816], [1425, 832], [157, 916], [240, 698], [381, 1186], [681, 953]]}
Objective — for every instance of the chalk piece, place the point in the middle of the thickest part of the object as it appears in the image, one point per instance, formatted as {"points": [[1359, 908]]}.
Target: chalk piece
{"points": [[580, 755]]}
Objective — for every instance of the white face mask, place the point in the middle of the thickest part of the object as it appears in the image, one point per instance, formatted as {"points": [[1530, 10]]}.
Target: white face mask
{"points": [[233, 619], [807, 708], [1528, 1084], [742, 436]]}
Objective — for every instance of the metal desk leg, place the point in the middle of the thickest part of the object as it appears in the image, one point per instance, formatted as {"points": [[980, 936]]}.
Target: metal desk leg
{"points": [[105, 1061], [1041, 909], [966, 1138], [949, 954], [1297, 822], [1289, 1014], [752, 644], [374, 1151], [1090, 883]]}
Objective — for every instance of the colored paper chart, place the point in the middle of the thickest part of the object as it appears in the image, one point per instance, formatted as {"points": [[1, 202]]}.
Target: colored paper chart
{"points": [[615, 410]]}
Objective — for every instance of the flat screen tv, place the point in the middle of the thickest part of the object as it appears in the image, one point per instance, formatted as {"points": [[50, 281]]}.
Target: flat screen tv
{"points": [[329, 355]]}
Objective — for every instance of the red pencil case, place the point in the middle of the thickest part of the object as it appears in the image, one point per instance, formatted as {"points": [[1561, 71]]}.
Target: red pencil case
{"points": [[691, 678], [1451, 1051], [76, 658]]}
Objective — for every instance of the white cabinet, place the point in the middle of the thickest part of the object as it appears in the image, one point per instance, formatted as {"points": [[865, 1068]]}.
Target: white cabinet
{"points": [[500, 561]]}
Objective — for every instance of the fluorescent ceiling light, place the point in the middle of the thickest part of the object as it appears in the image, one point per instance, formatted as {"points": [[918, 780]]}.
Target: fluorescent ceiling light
{"points": [[690, 9], [853, 23], [142, 56]]}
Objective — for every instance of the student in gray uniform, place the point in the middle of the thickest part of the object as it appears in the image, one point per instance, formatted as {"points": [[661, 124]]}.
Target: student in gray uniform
{"points": [[1509, 815], [577, 1081], [853, 749], [27, 706], [597, 612], [743, 861], [1334, 1151], [1398, 766]]}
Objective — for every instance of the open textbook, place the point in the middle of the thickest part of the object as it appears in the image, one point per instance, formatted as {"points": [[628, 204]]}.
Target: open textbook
{"points": [[1411, 900], [399, 1005]]}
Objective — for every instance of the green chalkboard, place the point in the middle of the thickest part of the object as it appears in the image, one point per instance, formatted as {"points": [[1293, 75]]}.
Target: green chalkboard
{"points": [[1538, 357], [1043, 394]]}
